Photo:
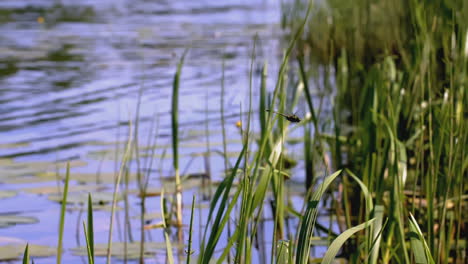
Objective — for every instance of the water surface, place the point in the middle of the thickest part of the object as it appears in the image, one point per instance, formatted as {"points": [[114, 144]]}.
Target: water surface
{"points": [[71, 73]]}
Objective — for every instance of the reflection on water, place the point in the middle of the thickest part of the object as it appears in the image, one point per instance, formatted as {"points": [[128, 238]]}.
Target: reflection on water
{"points": [[70, 75]]}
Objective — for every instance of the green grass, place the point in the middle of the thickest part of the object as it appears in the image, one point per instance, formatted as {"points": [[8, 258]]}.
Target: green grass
{"points": [[399, 118], [62, 216], [26, 255], [389, 160], [89, 231], [175, 139]]}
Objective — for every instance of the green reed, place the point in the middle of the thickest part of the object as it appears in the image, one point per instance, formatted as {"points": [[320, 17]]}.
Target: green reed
{"points": [[89, 231], [399, 117], [123, 169], [62, 216], [26, 255], [397, 70], [175, 139]]}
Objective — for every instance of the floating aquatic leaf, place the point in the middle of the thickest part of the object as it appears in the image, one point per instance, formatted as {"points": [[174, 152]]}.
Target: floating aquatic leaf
{"points": [[230, 154], [21, 179], [118, 249], [15, 251], [7, 194], [105, 177], [56, 190], [41, 165], [22, 172], [99, 198], [201, 132], [200, 205], [109, 153], [149, 192], [4, 162], [6, 253], [96, 207], [191, 176], [8, 175], [186, 184], [9, 220]]}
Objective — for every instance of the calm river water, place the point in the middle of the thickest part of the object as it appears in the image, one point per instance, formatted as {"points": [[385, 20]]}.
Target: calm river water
{"points": [[70, 76]]}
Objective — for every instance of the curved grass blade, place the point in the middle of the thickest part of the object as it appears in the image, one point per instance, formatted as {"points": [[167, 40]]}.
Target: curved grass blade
{"points": [[419, 246], [377, 233], [378, 214], [341, 239], [308, 221], [221, 218], [364, 189]]}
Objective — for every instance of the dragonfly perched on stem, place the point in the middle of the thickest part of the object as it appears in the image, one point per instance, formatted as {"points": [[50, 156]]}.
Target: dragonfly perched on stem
{"points": [[290, 118]]}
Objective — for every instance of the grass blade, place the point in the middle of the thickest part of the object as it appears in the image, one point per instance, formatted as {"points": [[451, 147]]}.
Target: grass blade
{"points": [[88, 248], [125, 159], [62, 215], [220, 220], [341, 239], [308, 221], [170, 257], [419, 246], [365, 191], [377, 233], [89, 231], [282, 253], [26, 255], [189, 248], [175, 140]]}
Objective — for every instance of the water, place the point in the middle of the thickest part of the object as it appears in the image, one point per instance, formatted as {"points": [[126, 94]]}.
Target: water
{"points": [[70, 76]]}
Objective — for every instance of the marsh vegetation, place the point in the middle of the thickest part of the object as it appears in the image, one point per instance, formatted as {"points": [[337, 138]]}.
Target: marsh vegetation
{"points": [[371, 168]]}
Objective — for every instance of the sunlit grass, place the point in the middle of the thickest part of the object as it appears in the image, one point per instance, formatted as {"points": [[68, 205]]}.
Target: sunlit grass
{"points": [[399, 69], [390, 163]]}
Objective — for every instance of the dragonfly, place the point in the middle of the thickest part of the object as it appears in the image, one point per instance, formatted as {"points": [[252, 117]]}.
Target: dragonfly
{"points": [[290, 118]]}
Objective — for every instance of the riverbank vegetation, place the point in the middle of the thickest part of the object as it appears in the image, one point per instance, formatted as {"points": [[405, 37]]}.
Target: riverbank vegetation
{"points": [[397, 72], [384, 85]]}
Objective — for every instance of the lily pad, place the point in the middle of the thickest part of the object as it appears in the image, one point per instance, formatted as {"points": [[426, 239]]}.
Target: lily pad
{"points": [[14, 145], [99, 198], [15, 251], [9, 220], [56, 190], [150, 192], [7, 194], [118, 249], [21, 179], [4, 162], [105, 177], [169, 186], [42, 165], [13, 172], [96, 207]]}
